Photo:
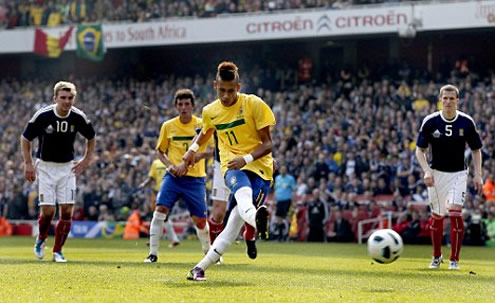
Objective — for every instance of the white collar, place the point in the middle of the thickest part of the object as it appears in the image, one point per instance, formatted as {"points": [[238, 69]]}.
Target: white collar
{"points": [[449, 121], [59, 116]]}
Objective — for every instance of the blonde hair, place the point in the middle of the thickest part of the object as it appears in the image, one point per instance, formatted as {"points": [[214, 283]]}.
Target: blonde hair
{"points": [[448, 88], [66, 86]]}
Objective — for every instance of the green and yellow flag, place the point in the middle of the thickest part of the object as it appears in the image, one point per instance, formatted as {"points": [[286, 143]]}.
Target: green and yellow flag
{"points": [[90, 42]]}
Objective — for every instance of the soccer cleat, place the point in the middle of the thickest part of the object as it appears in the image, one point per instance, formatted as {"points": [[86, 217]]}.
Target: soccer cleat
{"points": [[173, 244], [39, 249], [454, 265], [196, 274], [262, 222], [151, 259], [252, 252], [435, 263], [59, 257]]}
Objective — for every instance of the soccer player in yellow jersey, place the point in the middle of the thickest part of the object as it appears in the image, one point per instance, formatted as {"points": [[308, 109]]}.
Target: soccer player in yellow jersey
{"points": [[156, 174], [242, 123], [180, 181]]}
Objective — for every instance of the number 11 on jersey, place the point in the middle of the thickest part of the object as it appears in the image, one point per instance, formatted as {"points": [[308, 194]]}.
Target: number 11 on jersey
{"points": [[231, 134]]}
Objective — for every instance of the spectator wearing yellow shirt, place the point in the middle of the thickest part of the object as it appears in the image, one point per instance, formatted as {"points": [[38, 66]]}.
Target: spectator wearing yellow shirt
{"points": [[36, 12], [420, 103], [53, 16]]}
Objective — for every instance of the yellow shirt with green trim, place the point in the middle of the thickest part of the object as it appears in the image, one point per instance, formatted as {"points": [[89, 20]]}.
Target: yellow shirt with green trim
{"points": [[157, 170], [237, 128], [175, 138]]}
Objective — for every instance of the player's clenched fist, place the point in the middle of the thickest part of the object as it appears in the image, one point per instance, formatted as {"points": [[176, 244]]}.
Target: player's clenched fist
{"points": [[29, 172]]}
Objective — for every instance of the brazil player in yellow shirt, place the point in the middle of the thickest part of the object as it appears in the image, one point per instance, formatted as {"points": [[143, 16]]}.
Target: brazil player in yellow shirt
{"points": [[243, 124], [156, 174], [180, 181]]}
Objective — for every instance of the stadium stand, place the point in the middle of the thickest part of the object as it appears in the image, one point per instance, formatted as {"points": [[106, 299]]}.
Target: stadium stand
{"points": [[362, 166]]}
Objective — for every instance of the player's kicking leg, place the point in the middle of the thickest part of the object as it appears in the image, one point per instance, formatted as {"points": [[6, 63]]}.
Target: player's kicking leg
{"points": [[223, 241]]}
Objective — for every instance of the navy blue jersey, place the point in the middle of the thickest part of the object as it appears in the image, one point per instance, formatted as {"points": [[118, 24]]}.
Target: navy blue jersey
{"points": [[448, 140], [57, 134]]}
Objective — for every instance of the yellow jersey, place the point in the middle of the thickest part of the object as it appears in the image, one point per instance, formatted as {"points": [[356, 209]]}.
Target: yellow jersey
{"points": [[175, 138], [157, 170], [237, 129]]}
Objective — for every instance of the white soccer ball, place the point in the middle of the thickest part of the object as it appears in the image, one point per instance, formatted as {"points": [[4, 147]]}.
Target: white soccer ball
{"points": [[385, 246]]}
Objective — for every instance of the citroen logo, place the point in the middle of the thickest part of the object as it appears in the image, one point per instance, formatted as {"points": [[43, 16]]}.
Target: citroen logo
{"points": [[324, 23]]}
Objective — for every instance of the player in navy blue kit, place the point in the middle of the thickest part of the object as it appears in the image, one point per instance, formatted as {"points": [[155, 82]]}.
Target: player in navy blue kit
{"points": [[447, 132], [56, 127]]}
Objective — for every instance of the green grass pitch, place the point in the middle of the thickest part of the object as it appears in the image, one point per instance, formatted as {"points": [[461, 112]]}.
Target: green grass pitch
{"points": [[112, 270]]}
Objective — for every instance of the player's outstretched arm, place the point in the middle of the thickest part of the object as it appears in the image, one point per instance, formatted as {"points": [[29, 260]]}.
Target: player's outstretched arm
{"points": [[200, 140], [29, 171], [82, 164], [263, 149], [478, 176], [421, 156]]}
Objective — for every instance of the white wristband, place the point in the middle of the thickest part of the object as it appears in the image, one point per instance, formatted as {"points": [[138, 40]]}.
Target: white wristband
{"points": [[248, 158], [194, 147]]}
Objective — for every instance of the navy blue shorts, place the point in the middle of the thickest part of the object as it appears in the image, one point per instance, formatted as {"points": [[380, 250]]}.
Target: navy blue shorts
{"points": [[191, 189], [235, 179]]}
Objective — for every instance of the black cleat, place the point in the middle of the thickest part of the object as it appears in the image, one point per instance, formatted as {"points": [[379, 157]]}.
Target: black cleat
{"points": [[252, 252], [262, 222], [151, 259]]}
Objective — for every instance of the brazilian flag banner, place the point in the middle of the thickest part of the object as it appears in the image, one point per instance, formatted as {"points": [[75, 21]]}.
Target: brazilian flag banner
{"points": [[90, 42]]}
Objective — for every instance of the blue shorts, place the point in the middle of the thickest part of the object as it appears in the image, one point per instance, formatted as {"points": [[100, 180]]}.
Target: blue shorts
{"points": [[235, 179], [191, 189]]}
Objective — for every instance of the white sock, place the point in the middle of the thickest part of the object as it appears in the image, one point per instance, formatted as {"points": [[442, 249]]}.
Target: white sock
{"points": [[156, 230], [204, 237], [170, 231], [224, 239], [244, 198]]}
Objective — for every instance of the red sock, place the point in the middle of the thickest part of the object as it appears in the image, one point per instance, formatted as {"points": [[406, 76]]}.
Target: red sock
{"points": [[436, 228], [61, 232], [456, 233], [215, 229], [249, 232], [44, 224]]}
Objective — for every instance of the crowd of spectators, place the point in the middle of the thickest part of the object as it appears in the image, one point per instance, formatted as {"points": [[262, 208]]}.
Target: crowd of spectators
{"points": [[24, 13], [348, 142]]}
